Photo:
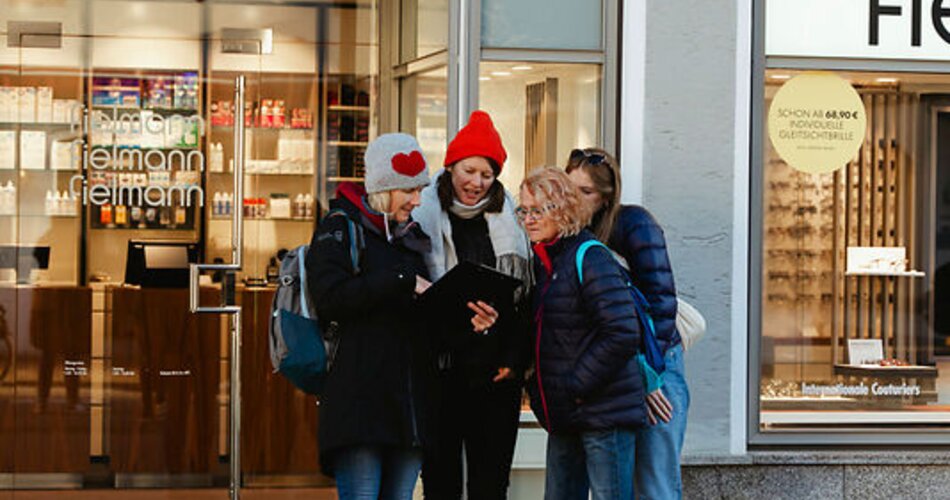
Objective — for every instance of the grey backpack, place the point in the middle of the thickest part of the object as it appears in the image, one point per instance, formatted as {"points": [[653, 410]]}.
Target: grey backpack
{"points": [[301, 349]]}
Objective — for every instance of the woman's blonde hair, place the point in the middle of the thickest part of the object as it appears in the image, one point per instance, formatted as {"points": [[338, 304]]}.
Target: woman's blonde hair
{"points": [[379, 201], [560, 199]]}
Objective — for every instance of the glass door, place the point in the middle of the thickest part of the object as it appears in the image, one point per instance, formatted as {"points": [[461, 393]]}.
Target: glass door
{"points": [[118, 169]]}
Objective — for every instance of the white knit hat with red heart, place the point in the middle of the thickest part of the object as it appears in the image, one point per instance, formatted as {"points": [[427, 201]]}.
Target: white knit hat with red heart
{"points": [[395, 161]]}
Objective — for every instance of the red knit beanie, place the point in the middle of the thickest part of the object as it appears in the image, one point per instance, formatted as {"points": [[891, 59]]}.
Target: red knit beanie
{"points": [[478, 138]]}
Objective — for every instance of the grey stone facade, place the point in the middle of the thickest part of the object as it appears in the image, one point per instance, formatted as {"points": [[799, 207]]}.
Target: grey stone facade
{"points": [[689, 143]]}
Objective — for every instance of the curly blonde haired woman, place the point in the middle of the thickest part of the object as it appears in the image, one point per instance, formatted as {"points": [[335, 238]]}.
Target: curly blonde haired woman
{"points": [[586, 388]]}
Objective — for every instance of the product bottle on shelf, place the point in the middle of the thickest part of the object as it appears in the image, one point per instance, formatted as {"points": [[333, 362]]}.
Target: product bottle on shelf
{"points": [[49, 207], [216, 205], [273, 271], [105, 215], [181, 216], [136, 214], [57, 204], [71, 204], [308, 206], [298, 211], [121, 215], [265, 113]]}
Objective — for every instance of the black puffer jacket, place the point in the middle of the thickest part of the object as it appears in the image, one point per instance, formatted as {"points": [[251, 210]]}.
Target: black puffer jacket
{"points": [[639, 239], [585, 337], [379, 389]]}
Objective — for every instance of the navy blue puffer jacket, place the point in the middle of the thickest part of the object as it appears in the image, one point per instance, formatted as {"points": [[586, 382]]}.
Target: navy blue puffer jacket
{"points": [[585, 337], [639, 239]]}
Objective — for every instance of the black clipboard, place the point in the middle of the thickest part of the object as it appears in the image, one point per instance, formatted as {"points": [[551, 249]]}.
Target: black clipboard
{"points": [[446, 300]]}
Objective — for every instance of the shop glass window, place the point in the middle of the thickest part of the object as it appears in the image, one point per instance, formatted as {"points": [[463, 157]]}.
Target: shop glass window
{"points": [[541, 110], [542, 24], [855, 324]]}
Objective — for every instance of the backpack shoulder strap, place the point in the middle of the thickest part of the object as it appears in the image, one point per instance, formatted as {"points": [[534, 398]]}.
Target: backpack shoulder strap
{"points": [[355, 234], [302, 271], [579, 257]]}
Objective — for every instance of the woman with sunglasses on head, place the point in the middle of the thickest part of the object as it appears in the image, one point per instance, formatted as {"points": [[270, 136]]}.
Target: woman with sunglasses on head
{"points": [[633, 233], [470, 217], [586, 388]]}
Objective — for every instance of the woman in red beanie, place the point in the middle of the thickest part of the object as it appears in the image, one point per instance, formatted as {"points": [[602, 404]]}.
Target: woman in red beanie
{"points": [[470, 217]]}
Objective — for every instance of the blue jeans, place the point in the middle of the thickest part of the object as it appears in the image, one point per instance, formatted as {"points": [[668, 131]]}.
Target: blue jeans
{"points": [[377, 473], [659, 446], [598, 461]]}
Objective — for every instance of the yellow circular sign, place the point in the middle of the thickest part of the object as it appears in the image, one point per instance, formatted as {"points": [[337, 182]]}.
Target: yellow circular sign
{"points": [[817, 122]]}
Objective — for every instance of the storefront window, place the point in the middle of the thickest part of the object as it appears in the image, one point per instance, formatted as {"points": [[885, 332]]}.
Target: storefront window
{"points": [[541, 110], [854, 323]]}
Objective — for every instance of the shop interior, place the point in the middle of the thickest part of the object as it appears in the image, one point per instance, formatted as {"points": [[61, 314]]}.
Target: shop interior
{"points": [[854, 269]]}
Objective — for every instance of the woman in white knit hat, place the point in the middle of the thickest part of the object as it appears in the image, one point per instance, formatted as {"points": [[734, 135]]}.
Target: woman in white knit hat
{"points": [[375, 412]]}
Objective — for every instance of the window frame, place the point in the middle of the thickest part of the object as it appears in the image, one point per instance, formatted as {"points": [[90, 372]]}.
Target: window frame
{"points": [[789, 438]]}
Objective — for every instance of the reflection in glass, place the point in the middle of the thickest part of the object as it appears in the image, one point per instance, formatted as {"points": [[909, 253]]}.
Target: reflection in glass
{"points": [[541, 110]]}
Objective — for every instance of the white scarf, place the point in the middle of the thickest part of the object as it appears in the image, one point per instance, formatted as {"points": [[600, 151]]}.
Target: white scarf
{"points": [[511, 246]]}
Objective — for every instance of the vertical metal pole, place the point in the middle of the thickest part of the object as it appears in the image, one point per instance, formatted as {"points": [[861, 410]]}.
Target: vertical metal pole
{"points": [[233, 311], [237, 229], [235, 431], [237, 243]]}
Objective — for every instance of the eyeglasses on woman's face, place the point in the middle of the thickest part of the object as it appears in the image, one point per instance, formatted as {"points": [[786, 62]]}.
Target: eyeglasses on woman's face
{"points": [[531, 213]]}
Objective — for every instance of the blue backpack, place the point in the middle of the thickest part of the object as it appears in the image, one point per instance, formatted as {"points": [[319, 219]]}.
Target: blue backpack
{"points": [[650, 356], [301, 349]]}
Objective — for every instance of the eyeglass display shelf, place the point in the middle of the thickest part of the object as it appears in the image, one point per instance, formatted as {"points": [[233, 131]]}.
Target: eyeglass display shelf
{"points": [[347, 143], [893, 274], [912, 371], [345, 179]]}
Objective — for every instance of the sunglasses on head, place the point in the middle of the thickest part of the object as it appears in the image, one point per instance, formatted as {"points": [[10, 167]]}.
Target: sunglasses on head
{"points": [[579, 155]]}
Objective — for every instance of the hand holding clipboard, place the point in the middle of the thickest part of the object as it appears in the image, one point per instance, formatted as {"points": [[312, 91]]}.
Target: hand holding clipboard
{"points": [[469, 288]]}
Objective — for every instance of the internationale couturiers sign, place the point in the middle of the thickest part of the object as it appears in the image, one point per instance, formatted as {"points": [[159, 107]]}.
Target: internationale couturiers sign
{"points": [[817, 122]]}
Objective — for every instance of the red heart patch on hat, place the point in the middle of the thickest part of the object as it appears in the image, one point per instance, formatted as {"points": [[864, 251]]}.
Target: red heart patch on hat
{"points": [[409, 164]]}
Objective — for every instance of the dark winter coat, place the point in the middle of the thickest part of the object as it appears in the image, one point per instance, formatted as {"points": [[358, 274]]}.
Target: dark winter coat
{"points": [[585, 338], [378, 391], [639, 239]]}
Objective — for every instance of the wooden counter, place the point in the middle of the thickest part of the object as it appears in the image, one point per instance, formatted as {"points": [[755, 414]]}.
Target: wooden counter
{"points": [[279, 422], [44, 398], [163, 396]]}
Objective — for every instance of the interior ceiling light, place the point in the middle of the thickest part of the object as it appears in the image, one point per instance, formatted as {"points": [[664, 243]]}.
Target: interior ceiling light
{"points": [[522, 68], [887, 80], [500, 73], [780, 77], [484, 78]]}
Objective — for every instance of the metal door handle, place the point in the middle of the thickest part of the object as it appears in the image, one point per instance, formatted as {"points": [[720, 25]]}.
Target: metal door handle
{"points": [[234, 311]]}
